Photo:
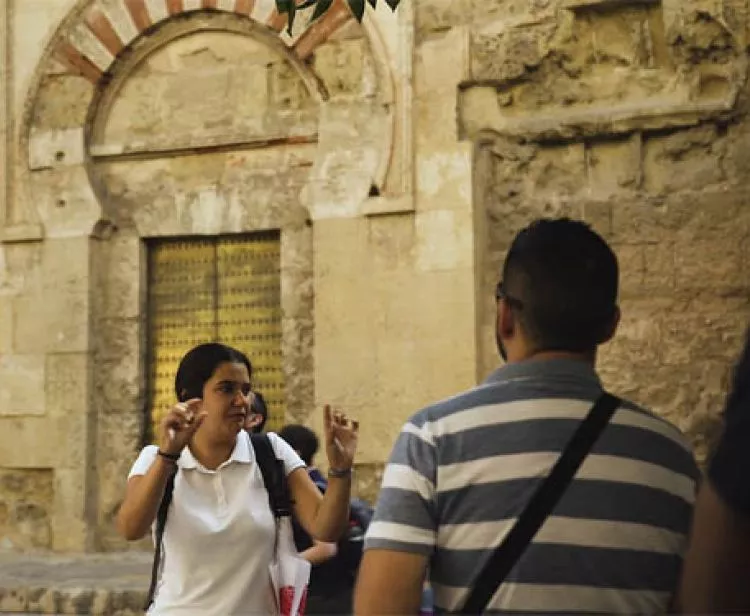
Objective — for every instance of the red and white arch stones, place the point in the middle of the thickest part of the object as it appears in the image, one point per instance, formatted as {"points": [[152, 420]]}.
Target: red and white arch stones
{"points": [[92, 44]]}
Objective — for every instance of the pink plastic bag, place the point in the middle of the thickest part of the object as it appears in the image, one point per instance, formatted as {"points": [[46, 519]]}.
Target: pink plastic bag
{"points": [[290, 574]]}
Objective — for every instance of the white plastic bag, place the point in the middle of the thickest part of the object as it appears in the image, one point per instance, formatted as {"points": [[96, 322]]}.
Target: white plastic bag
{"points": [[290, 574]]}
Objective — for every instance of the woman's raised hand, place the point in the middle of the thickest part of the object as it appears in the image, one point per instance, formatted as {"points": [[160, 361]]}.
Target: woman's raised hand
{"points": [[341, 437], [178, 427]]}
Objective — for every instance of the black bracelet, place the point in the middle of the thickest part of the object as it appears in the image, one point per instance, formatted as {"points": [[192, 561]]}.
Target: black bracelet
{"points": [[339, 473], [169, 456]]}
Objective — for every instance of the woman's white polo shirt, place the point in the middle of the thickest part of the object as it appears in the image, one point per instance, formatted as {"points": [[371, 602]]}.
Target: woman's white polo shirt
{"points": [[219, 535]]}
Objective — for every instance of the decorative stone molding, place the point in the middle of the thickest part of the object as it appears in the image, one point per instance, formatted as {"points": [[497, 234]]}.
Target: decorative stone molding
{"points": [[607, 67], [101, 39], [106, 28]]}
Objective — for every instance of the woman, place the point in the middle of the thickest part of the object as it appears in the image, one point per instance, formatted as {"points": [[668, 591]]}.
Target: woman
{"points": [[219, 534]]}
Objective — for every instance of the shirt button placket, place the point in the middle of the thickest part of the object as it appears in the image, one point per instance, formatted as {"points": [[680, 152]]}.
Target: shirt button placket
{"points": [[220, 495]]}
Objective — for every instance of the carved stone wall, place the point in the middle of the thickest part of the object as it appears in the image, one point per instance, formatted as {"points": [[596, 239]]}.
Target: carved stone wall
{"points": [[147, 119], [632, 116], [397, 158]]}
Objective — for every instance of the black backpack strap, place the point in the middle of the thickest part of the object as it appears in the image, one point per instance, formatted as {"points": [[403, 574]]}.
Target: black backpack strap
{"points": [[274, 477], [161, 521], [540, 506]]}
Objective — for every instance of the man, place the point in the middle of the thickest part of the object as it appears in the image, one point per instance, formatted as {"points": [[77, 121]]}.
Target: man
{"points": [[464, 469], [717, 565], [258, 415], [305, 442]]}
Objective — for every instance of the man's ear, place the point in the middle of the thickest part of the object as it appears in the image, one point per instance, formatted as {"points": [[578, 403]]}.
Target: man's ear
{"points": [[609, 332], [506, 320], [253, 420]]}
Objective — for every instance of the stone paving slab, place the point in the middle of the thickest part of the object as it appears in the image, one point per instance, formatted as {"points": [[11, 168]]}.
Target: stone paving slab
{"points": [[93, 584]]}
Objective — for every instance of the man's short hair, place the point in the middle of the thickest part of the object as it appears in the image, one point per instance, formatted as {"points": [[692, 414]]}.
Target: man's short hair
{"points": [[301, 439], [560, 278]]}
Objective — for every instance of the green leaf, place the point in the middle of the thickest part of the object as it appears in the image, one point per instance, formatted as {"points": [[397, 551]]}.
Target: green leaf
{"points": [[321, 7], [373, 3], [306, 4], [392, 3], [282, 6], [358, 8]]}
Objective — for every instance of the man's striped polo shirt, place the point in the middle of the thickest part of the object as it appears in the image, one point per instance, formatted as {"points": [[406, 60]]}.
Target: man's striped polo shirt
{"points": [[462, 471]]}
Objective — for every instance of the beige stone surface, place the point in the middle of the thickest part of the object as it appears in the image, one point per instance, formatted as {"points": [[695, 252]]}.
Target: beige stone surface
{"points": [[397, 161], [23, 392], [25, 511]]}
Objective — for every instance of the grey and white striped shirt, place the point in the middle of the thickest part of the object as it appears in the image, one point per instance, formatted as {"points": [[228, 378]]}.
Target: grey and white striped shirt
{"points": [[462, 471]]}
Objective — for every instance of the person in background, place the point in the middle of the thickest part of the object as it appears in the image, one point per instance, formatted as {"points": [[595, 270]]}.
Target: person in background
{"points": [[258, 416], [330, 592], [716, 575]]}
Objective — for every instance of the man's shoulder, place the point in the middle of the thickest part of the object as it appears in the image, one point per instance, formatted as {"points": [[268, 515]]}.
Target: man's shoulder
{"points": [[655, 421], [481, 395]]}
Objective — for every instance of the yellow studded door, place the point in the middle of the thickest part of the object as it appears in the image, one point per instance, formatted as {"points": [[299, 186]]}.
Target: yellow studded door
{"points": [[224, 289]]}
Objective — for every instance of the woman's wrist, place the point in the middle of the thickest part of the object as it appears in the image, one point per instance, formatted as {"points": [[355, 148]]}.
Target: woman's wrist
{"points": [[167, 455], [339, 473]]}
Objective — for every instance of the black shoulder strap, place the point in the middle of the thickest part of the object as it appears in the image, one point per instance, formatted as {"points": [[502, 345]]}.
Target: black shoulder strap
{"points": [[272, 470], [540, 506], [161, 521]]}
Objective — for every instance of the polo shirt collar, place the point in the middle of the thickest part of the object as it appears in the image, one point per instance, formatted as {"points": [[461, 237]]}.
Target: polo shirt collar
{"points": [[557, 368], [241, 453]]}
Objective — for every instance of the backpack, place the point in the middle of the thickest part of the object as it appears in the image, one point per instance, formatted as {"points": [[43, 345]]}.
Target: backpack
{"points": [[274, 480]]}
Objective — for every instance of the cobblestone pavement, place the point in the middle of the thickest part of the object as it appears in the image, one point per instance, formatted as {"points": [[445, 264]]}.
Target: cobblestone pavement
{"points": [[94, 584]]}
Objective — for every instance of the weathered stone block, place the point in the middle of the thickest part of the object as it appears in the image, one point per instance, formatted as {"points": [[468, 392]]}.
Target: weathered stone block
{"points": [[440, 15], [440, 65], [65, 201], [62, 102], [710, 264], [66, 267], [660, 269], [23, 390], [13, 599], [613, 165], [630, 258], [27, 443], [510, 12], [510, 55], [367, 480], [392, 241], [599, 215], [341, 66], [444, 240], [72, 529], [26, 495], [557, 170], [685, 160], [42, 601], [286, 89], [67, 383]]}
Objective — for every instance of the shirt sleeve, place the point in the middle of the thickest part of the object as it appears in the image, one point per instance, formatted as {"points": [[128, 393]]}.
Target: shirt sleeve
{"points": [[405, 518], [145, 460], [284, 452]]}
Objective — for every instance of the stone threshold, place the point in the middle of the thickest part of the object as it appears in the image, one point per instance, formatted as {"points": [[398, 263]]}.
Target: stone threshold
{"points": [[95, 584]]}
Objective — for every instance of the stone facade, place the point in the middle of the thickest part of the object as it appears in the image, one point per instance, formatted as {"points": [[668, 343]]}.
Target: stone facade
{"points": [[397, 158]]}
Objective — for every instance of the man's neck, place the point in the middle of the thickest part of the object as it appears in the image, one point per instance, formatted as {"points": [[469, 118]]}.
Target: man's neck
{"points": [[588, 357]]}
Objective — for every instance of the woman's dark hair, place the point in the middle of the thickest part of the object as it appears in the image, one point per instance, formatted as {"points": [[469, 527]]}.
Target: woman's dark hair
{"points": [[301, 439], [199, 365]]}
